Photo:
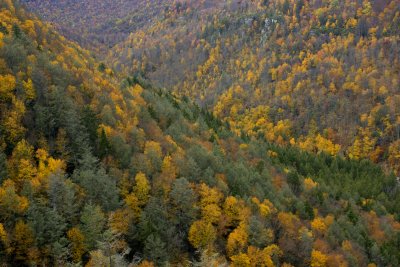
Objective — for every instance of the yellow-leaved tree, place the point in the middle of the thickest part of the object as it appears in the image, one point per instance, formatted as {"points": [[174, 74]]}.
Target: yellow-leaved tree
{"points": [[77, 240], [141, 188], [237, 240], [11, 203], [7, 86], [21, 164], [23, 242], [139, 195], [168, 174], [202, 234], [318, 259], [210, 200]]}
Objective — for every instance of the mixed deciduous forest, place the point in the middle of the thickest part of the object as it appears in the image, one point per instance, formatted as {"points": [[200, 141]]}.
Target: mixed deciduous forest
{"points": [[199, 133], [98, 24], [320, 75]]}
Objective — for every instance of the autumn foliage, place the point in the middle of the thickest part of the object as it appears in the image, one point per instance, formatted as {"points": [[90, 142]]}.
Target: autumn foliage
{"points": [[270, 163]]}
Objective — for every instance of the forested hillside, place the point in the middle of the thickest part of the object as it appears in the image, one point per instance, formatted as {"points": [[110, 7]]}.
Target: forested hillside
{"points": [[321, 75], [102, 169], [98, 24]]}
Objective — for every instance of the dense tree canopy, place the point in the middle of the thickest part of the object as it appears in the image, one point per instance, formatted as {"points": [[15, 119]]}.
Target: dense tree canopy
{"points": [[99, 169]]}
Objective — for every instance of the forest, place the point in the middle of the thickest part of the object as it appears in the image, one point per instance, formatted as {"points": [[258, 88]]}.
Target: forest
{"points": [[231, 133], [320, 75]]}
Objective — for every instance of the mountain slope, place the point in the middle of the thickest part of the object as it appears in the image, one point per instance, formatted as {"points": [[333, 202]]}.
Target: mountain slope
{"points": [[97, 24], [323, 75], [319, 75], [98, 170]]}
